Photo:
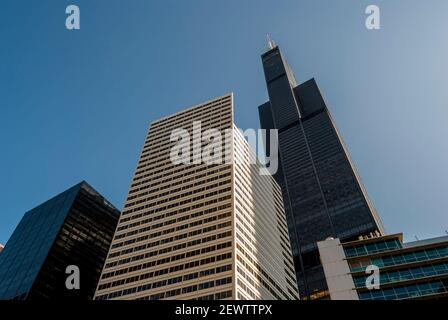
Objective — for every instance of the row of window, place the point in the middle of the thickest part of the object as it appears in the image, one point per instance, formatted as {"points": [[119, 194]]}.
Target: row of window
{"points": [[191, 191], [166, 167], [406, 292], [181, 256], [160, 216], [194, 173], [186, 201], [182, 266], [168, 294], [371, 248], [399, 259], [260, 274], [248, 247], [242, 286], [155, 150], [158, 143], [166, 282], [192, 112], [175, 238], [173, 229], [207, 120], [178, 237], [153, 179], [214, 296], [159, 150], [406, 274], [242, 218], [242, 196], [156, 133], [173, 213], [177, 247], [190, 116], [171, 187], [164, 208]]}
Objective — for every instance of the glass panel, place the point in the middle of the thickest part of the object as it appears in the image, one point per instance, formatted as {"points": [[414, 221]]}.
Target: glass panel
{"points": [[398, 259], [425, 288], [361, 251], [429, 271], [371, 247], [410, 257], [388, 261], [389, 293], [443, 251], [401, 292], [433, 253], [421, 255], [406, 274], [417, 272], [381, 246]]}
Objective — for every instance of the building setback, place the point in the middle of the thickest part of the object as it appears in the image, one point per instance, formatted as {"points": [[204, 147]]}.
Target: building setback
{"points": [[414, 270], [73, 228], [323, 195], [200, 231]]}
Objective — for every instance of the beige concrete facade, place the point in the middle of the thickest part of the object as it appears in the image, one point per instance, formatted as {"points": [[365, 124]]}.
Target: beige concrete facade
{"points": [[337, 271], [199, 231]]}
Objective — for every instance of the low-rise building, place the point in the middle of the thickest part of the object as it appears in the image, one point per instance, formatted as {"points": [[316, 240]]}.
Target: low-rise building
{"points": [[386, 268]]}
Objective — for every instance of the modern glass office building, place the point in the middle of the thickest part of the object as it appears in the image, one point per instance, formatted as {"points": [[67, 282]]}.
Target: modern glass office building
{"points": [[200, 230], [73, 228], [323, 195], [414, 270]]}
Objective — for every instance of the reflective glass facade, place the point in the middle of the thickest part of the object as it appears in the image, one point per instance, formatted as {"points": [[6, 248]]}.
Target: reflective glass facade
{"points": [[411, 273], [415, 270], [323, 196], [397, 259], [365, 249], [407, 292], [73, 228]]}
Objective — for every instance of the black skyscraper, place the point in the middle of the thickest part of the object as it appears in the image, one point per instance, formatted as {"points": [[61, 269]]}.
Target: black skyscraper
{"points": [[73, 228], [323, 196]]}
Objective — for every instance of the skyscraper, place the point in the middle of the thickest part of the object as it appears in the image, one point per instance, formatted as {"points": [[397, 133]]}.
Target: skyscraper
{"points": [[72, 229], [323, 195], [201, 230]]}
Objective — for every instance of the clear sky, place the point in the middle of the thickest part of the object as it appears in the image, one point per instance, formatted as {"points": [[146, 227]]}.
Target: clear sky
{"points": [[76, 105]]}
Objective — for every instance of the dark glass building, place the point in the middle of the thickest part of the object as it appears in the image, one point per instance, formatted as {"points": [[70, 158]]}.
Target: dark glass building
{"points": [[323, 195], [73, 228]]}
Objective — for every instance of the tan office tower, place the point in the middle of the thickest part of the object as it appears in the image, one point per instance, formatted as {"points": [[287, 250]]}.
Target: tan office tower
{"points": [[200, 230]]}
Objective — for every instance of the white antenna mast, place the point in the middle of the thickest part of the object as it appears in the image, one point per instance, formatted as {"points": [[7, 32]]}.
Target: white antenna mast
{"points": [[271, 43]]}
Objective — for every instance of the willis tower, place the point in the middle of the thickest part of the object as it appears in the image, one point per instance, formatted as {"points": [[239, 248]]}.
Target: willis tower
{"points": [[322, 192]]}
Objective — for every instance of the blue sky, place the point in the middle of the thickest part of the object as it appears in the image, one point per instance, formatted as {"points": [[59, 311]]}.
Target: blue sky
{"points": [[76, 105]]}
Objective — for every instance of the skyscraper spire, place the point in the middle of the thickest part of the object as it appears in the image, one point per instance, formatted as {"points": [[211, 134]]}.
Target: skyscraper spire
{"points": [[271, 44]]}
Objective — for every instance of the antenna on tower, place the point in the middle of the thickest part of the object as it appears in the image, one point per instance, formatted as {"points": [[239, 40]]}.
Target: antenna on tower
{"points": [[271, 43]]}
